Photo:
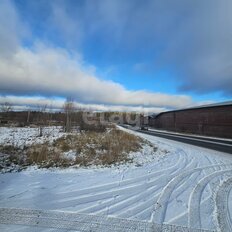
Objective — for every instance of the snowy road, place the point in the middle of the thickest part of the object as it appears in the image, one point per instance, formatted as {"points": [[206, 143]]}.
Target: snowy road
{"points": [[218, 144], [189, 186]]}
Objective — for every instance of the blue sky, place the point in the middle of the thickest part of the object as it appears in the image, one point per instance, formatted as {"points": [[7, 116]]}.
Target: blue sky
{"points": [[118, 54]]}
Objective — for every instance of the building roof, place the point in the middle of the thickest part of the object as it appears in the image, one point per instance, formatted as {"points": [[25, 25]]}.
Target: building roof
{"points": [[212, 105], [227, 103]]}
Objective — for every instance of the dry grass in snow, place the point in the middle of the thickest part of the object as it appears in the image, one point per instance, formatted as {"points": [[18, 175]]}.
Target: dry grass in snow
{"points": [[113, 146]]}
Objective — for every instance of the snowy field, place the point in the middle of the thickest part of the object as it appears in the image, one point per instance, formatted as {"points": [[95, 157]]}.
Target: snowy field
{"points": [[22, 136], [188, 186]]}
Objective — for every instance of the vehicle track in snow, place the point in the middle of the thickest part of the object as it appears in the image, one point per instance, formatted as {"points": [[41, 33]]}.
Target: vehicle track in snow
{"points": [[178, 190], [194, 218], [40, 220], [223, 219]]}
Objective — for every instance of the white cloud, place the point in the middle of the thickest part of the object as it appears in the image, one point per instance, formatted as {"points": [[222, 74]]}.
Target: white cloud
{"points": [[24, 103], [193, 37], [9, 28], [54, 72]]}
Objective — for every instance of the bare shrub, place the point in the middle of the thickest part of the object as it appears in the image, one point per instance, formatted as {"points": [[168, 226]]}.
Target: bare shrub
{"points": [[96, 127], [105, 148], [37, 154], [63, 143], [45, 156], [8, 149], [89, 148]]}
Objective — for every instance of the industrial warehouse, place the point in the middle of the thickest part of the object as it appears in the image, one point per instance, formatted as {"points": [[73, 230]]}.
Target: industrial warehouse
{"points": [[210, 120]]}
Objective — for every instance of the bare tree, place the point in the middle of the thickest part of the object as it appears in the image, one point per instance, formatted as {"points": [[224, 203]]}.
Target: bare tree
{"points": [[28, 116], [68, 110], [42, 118], [6, 107]]}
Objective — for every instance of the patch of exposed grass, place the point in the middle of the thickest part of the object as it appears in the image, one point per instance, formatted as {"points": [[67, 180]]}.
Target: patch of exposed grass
{"points": [[106, 148], [91, 148], [42, 155], [9, 149], [45, 155]]}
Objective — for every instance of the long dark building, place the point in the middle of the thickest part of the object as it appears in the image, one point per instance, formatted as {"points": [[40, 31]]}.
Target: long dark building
{"points": [[211, 120]]}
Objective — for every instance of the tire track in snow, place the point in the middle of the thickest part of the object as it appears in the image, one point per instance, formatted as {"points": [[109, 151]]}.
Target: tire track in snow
{"points": [[194, 216], [128, 187], [81, 222], [223, 215], [150, 187], [149, 194], [116, 184], [121, 184], [161, 205], [212, 161]]}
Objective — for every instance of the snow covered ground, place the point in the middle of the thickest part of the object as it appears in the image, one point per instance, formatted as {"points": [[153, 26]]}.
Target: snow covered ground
{"points": [[188, 186], [22, 136]]}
